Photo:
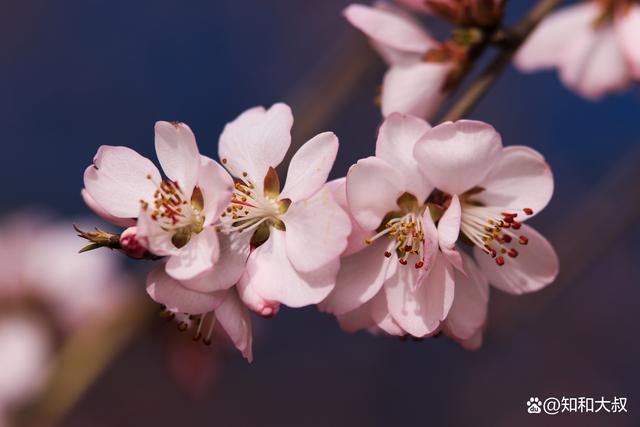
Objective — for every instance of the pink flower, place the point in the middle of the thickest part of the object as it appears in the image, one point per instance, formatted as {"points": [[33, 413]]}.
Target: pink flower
{"points": [[399, 283], [176, 215], [412, 85], [594, 45], [490, 190], [201, 311], [296, 234]]}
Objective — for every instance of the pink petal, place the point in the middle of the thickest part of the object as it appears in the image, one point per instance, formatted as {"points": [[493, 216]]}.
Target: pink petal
{"points": [[118, 180], [373, 188], [456, 157], [550, 41], [594, 63], [380, 314], [227, 270], [448, 232], [197, 257], [398, 38], [420, 307], [253, 301], [469, 310], [178, 154], [358, 236], [98, 210], [217, 186], [310, 167], [473, 343], [356, 320], [163, 289], [273, 277], [317, 231], [257, 140], [628, 31], [360, 277], [236, 321], [397, 138], [416, 89], [535, 267], [520, 179], [154, 237]]}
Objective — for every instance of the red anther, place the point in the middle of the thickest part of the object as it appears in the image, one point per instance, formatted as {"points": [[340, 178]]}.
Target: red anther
{"points": [[493, 253], [407, 248], [387, 254], [516, 225], [528, 211], [403, 261], [506, 238], [419, 264], [500, 260], [523, 240], [512, 253], [509, 215], [508, 219]]}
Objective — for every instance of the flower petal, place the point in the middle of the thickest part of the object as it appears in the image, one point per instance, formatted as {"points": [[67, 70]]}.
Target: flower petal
{"points": [[420, 307], [196, 257], [380, 314], [317, 231], [164, 289], [594, 64], [457, 156], [535, 267], [358, 236], [520, 179], [469, 310], [357, 319], [448, 232], [257, 140], [373, 188], [236, 321], [397, 38], [216, 186], [153, 237], [255, 302], [397, 138], [360, 277], [549, 42], [628, 31], [273, 277], [178, 154], [99, 210], [310, 167], [227, 270], [416, 89], [118, 180]]}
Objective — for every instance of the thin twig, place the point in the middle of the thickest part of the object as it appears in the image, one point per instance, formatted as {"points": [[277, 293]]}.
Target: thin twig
{"points": [[510, 41]]}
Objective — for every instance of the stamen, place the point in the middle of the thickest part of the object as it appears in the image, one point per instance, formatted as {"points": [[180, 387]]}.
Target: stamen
{"points": [[407, 231]]}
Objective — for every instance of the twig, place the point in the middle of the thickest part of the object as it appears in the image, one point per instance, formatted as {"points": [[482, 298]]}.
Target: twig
{"points": [[509, 40]]}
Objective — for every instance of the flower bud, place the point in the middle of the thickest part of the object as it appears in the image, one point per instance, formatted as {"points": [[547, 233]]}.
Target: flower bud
{"points": [[131, 245]]}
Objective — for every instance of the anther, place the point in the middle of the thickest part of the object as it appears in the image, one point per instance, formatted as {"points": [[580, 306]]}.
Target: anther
{"points": [[512, 253], [419, 264], [523, 240], [387, 254], [500, 260], [528, 211], [516, 225], [403, 261]]}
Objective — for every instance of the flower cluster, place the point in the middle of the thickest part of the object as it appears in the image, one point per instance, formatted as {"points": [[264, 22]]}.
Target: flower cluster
{"points": [[380, 248]]}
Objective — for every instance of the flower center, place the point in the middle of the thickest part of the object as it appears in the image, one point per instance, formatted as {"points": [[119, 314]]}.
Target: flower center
{"points": [[405, 228], [175, 213], [494, 230]]}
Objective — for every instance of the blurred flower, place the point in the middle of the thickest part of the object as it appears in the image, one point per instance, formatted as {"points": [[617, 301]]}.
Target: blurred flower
{"points": [[488, 191], [594, 45], [460, 12], [47, 291], [419, 65], [399, 283], [175, 215], [294, 260]]}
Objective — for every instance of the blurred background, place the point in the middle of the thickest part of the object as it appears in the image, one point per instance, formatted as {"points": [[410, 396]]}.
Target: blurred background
{"points": [[77, 74]]}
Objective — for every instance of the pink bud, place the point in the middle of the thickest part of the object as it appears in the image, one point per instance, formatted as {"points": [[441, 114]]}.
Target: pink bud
{"points": [[130, 244]]}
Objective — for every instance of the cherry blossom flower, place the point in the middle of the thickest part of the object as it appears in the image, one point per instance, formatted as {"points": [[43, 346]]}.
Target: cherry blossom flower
{"points": [[490, 190], [297, 234], [595, 46], [419, 66], [175, 216], [399, 282]]}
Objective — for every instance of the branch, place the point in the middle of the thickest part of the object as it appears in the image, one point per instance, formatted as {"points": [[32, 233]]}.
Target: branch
{"points": [[510, 40]]}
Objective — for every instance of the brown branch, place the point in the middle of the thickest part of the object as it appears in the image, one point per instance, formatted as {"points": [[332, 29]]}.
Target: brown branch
{"points": [[509, 40]]}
